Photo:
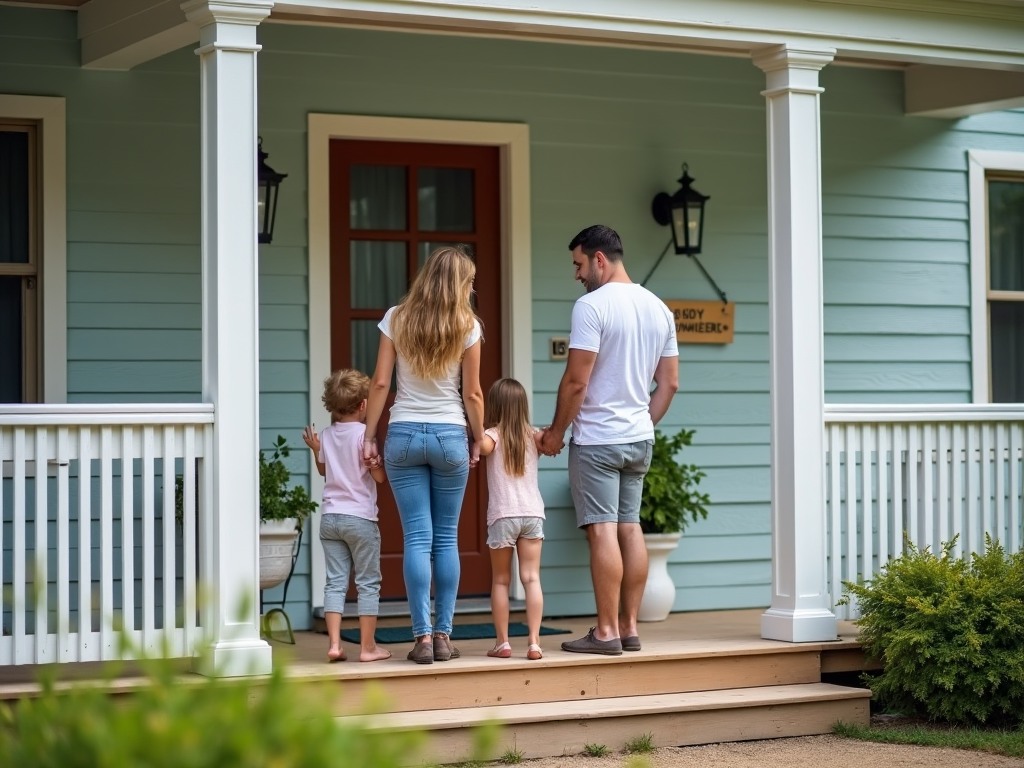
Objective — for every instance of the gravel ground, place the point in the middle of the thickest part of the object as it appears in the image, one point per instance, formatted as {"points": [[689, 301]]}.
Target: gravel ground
{"points": [[806, 752]]}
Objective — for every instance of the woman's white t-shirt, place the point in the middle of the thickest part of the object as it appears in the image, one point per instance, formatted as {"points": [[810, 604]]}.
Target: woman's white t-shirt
{"points": [[429, 401]]}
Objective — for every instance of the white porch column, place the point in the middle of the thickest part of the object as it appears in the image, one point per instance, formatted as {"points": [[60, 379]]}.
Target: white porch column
{"points": [[800, 609], [230, 548]]}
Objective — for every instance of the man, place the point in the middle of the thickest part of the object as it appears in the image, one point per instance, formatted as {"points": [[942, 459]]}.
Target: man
{"points": [[622, 337]]}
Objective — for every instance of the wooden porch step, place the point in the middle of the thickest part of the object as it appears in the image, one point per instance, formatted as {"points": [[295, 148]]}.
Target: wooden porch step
{"points": [[562, 677], [564, 727]]}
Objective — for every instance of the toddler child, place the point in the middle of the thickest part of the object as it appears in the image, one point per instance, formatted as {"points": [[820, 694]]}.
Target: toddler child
{"points": [[348, 523], [515, 511]]}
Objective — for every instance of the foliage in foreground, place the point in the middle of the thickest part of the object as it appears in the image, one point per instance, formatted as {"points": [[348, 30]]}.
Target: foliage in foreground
{"points": [[950, 633], [999, 742], [208, 723], [670, 499]]}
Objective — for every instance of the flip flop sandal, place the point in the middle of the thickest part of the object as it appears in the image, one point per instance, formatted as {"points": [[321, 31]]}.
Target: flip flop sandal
{"points": [[534, 652], [503, 651]]}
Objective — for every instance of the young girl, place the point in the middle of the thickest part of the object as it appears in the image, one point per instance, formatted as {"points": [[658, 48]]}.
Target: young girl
{"points": [[515, 512], [348, 523]]}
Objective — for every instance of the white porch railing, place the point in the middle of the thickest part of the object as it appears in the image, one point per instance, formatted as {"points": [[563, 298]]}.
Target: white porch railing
{"points": [[111, 553], [931, 472]]}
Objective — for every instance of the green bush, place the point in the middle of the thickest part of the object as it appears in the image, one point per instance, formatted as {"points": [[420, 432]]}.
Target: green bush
{"points": [[950, 633], [670, 498], [199, 723], [277, 500]]}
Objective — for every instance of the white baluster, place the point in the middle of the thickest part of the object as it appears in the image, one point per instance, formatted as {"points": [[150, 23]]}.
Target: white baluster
{"points": [[188, 537], [956, 494], [1000, 467], [899, 512], [867, 443], [148, 543], [88, 650], [941, 521], [884, 444], [835, 508], [20, 607], [128, 530], [169, 575], [108, 642], [972, 520], [985, 470], [63, 547], [1016, 486], [40, 578], [927, 468], [913, 484]]}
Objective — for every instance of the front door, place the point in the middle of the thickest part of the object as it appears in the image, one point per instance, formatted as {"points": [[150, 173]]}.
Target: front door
{"points": [[392, 203]]}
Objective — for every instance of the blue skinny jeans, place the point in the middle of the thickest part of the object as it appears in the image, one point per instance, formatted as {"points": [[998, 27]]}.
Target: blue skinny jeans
{"points": [[428, 466]]}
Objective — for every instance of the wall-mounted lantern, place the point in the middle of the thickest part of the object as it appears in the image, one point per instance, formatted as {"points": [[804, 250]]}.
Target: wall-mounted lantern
{"points": [[685, 212], [266, 200]]}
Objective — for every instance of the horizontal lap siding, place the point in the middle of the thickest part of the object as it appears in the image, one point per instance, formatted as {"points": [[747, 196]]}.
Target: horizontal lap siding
{"points": [[133, 173]]}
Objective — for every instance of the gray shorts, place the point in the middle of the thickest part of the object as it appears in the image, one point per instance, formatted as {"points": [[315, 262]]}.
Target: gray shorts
{"points": [[506, 531], [607, 481]]}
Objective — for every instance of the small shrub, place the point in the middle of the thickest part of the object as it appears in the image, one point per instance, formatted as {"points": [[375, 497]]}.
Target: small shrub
{"points": [[950, 633], [641, 744], [670, 500], [169, 723], [596, 750], [511, 756]]}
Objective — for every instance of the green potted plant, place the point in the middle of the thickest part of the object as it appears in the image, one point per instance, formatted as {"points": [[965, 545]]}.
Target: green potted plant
{"points": [[282, 512], [669, 503]]}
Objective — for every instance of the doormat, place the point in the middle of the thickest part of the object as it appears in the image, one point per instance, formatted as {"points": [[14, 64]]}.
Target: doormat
{"points": [[385, 635]]}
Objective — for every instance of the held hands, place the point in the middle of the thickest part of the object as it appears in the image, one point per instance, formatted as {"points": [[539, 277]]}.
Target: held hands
{"points": [[370, 456], [551, 443], [310, 438], [474, 453]]}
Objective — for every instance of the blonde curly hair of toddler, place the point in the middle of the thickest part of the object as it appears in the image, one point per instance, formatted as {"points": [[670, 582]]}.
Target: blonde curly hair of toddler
{"points": [[344, 390]]}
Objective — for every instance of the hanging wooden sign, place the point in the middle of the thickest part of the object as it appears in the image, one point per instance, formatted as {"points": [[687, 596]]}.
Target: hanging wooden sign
{"points": [[703, 322]]}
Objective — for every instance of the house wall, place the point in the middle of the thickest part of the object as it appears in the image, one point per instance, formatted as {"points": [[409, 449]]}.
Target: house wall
{"points": [[609, 128]]}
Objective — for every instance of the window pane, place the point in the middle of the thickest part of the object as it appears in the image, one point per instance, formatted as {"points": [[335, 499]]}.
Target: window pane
{"points": [[425, 249], [11, 333], [377, 197], [445, 199], [1007, 345], [378, 273], [1006, 235], [14, 197], [365, 342]]}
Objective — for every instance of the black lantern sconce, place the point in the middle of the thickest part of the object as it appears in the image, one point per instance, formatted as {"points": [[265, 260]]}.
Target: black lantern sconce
{"points": [[684, 211], [266, 200]]}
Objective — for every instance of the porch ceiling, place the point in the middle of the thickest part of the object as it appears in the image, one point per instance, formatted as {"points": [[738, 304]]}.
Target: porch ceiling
{"points": [[118, 34]]}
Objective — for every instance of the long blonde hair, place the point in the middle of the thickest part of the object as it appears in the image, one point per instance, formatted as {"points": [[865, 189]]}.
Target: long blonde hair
{"points": [[431, 324], [508, 410]]}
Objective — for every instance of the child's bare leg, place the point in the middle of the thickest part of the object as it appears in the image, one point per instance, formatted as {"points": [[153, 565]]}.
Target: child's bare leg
{"points": [[501, 575], [334, 653], [369, 650], [529, 574]]}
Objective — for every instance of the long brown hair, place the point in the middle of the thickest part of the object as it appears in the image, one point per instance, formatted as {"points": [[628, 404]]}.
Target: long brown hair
{"points": [[508, 410], [431, 324]]}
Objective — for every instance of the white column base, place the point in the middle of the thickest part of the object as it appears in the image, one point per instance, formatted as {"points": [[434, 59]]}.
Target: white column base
{"points": [[234, 658], [799, 626]]}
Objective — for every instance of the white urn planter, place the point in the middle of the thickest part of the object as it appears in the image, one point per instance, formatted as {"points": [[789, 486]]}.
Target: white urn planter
{"points": [[660, 590], [277, 539]]}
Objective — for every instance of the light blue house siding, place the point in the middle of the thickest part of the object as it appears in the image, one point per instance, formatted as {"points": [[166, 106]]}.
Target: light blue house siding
{"points": [[609, 128]]}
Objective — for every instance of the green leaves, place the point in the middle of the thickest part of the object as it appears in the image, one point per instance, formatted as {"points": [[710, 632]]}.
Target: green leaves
{"points": [[670, 499], [950, 632], [277, 501]]}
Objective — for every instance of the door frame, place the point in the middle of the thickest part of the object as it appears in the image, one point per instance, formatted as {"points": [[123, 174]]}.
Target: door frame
{"points": [[513, 142]]}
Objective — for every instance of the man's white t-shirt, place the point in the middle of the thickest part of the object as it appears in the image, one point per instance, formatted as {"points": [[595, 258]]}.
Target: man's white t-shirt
{"points": [[429, 401], [630, 329]]}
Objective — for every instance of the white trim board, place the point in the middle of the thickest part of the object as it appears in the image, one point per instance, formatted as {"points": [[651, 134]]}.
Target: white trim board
{"points": [[49, 111], [513, 141], [979, 163]]}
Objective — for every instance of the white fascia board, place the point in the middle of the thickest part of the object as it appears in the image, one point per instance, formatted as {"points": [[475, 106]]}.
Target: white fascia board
{"points": [[986, 35], [953, 92], [120, 34]]}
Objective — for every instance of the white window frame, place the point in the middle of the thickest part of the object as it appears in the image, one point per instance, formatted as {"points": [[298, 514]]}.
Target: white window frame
{"points": [[980, 164], [50, 115], [513, 142]]}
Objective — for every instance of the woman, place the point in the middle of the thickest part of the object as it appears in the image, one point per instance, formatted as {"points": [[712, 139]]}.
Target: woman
{"points": [[435, 338]]}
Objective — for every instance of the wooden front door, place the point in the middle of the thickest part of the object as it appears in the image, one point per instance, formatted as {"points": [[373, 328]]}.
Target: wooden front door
{"points": [[392, 203]]}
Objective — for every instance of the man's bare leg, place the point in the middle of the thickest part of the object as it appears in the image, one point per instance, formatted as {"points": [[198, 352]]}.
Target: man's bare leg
{"points": [[606, 573], [634, 576]]}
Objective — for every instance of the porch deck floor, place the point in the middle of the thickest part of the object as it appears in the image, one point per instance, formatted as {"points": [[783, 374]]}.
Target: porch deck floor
{"points": [[710, 633], [681, 635]]}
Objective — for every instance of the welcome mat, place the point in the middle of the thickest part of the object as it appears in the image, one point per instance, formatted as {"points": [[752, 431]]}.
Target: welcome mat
{"points": [[387, 635]]}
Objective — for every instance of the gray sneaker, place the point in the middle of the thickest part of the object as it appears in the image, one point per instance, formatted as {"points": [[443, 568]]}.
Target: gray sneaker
{"points": [[590, 644]]}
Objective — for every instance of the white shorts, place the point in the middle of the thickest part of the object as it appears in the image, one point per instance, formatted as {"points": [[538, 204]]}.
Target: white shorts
{"points": [[506, 531]]}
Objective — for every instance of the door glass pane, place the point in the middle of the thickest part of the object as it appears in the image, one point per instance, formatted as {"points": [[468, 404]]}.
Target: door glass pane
{"points": [[14, 197], [377, 197], [1006, 235], [1007, 345], [445, 198], [378, 273], [365, 343], [10, 339], [425, 249]]}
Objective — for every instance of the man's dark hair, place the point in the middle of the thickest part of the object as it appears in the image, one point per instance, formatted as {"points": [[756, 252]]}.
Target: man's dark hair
{"points": [[598, 238]]}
